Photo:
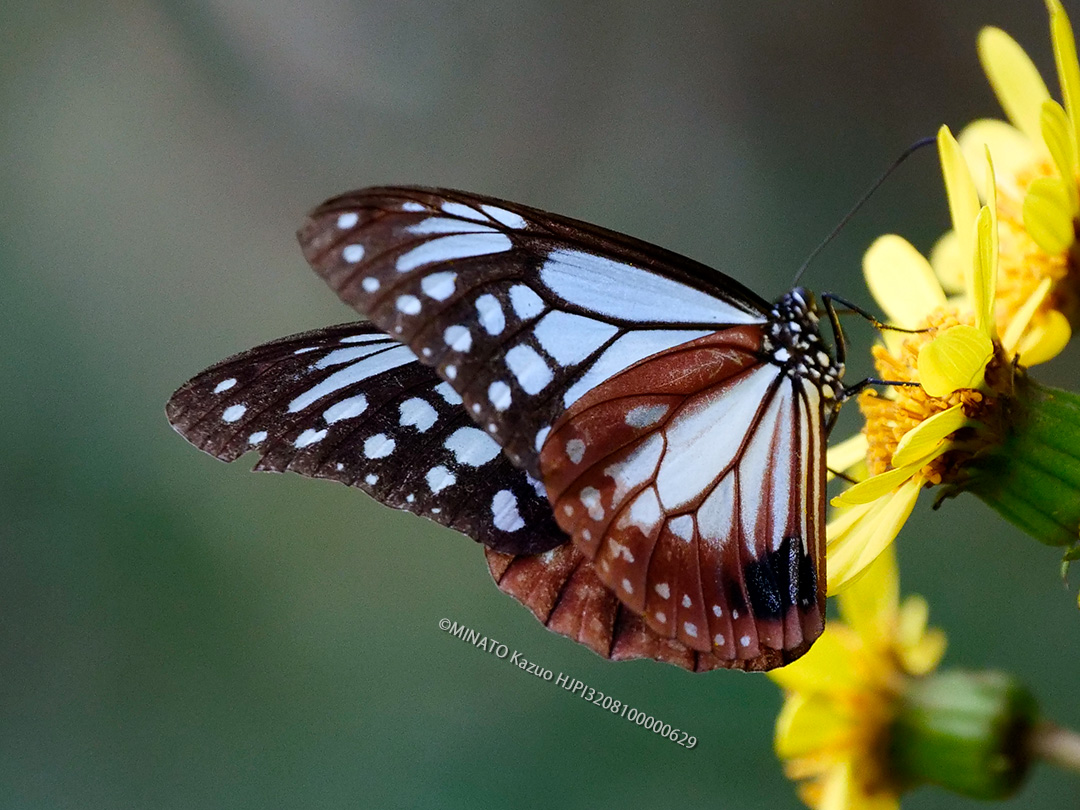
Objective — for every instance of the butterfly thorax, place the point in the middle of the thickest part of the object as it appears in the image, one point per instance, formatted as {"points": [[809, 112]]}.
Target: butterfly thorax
{"points": [[793, 342]]}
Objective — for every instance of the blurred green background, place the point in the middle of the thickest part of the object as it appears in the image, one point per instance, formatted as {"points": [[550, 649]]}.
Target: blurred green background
{"points": [[179, 633]]}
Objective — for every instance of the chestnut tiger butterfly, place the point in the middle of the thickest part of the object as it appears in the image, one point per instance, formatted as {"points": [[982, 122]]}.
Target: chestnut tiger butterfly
{"points": [[636, 439]]}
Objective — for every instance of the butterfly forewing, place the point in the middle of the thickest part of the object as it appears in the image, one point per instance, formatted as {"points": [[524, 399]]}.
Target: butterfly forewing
{"points": [[689, 481], [350, 404], [522, 312]]}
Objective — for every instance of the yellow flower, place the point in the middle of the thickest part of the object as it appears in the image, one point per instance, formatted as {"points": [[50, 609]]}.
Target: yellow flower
{"points": [[841, 698], [1037, 196], [915, 434]]}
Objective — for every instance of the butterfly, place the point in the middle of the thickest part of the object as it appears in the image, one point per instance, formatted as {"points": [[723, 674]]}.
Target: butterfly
{"points": [[637, 440]]}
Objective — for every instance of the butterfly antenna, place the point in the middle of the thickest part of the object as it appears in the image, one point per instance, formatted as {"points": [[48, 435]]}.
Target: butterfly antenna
{"points": [[915, 147]]}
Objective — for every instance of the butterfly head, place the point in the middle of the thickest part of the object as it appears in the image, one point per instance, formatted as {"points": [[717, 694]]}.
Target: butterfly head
{"points": [[794, 343]]}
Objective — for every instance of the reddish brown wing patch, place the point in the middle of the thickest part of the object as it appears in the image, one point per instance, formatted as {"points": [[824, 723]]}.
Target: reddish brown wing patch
{"points": [[689, 481]]}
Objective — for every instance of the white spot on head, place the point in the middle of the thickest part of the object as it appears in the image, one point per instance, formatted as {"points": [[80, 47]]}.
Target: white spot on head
{"points": [[504, 511], [257, 437], [345, 409], [745, 641], [370, 284], [378, 446], [417, 413], [371, 479], [224, 385], [439, 478], [590, 499], [626, 586], [409, 304], [644, 416], [501, 215], [439, 286], [575, 450], [310, 437], [499, 395], [471, 446], [691, 629], [530, 369], [661, 616], [352, 253], [447, 392], [458, 338], [717, 611], [663, 590], [686, 601], [490, 313], [525, 303], [347, 220], [719, 640], [233, 413], [541, 437]]}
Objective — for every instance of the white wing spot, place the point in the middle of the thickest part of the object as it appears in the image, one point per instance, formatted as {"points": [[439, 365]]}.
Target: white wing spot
{"points": [[525, 303], [352, 253], [499, 394], [257, 437], [378, 446], [691, 629], [745, 641], [734, 614], [490, 313], [439, 478], [504, 511], [686, 601], [439, 286], [339, 466], [661, 616], [541, 437], [477, 407], [619, 550], [718, 640], [417, 413], [626, 586], [471, 446], [458, 338], [410, 498], [575, 450], [663, 590], [409, 304], [457, 209], [448, 248], [412, 206], [224, 385], [310, 437], [447, 392], [233, 413], [346, 221], [529, 367], [683, 527], [717, 611], [371, 479], [445, 225], [450, 371], [571, 338], [370, 284], [644, 416], [345, 409], [586, 535], [590, 499], [504, 217]]}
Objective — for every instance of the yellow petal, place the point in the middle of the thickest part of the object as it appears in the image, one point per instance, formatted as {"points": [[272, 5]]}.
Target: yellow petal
{"points": [[808, 724], [830, 666], [1065, 57], [846, 454], [875, 487], [850, 551], [922, 440], [959, 186], [870, 605], [1016, 81], [1020, 320], [1048, 215], [1012, 150], [984, 280], [901, 281], [948, 262], [954, 359], [920, 649], [1058, 135], [1045, 339]]}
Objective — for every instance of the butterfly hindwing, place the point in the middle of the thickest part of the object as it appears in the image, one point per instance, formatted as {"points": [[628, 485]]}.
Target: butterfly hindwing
{"points": [[522, 312], [693, 482], [350, 404]]}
